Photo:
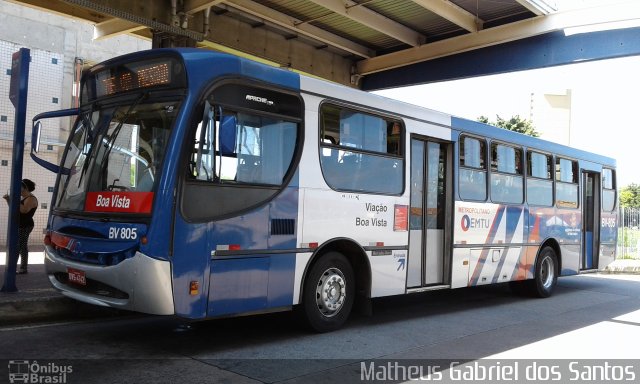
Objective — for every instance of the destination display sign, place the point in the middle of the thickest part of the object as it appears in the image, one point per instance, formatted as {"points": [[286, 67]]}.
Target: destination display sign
{"points": [[126, 202]]}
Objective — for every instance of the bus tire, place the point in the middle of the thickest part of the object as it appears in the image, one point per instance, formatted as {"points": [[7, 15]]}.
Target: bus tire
{"points": [[329, 292], [545, 274]]}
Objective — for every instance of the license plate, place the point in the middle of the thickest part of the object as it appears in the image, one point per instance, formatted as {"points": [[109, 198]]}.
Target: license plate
{"points": [[76, 276]]}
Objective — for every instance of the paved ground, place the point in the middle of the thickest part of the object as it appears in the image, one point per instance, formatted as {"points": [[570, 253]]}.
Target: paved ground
{"points": [[590, 321], [37, 301]]}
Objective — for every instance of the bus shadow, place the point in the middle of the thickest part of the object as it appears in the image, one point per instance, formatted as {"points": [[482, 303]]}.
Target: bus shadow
{"points": [[463, 324], [494, 302]]}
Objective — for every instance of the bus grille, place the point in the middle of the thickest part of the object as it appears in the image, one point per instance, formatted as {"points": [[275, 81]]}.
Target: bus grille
{"points": [[283, 226], [93, 287], [107, 259]]}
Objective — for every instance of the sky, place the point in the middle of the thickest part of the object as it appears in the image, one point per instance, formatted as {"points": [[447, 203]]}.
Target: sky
{"points": [[604, 110]]}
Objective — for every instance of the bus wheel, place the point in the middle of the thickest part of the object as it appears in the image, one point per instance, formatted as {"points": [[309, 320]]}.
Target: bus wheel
{"points": [[329, 292], [546, 274]]}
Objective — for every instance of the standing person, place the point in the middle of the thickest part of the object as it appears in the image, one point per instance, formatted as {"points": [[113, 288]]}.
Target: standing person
{"points": [[28, 206]]}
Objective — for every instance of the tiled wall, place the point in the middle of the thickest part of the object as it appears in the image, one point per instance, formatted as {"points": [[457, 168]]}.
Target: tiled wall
{"points": [[44, 94]]}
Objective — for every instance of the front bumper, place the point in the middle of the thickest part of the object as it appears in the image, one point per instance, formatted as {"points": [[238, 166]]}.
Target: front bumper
{"points": [[140, 283]]}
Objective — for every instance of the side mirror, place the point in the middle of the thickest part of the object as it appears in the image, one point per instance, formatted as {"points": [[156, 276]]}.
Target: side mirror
{"points": [[36, 131], [35, 136], [227, 135]]}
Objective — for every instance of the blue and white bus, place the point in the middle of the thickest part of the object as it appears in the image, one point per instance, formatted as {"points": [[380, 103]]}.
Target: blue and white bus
{"points": [[204, 185]]}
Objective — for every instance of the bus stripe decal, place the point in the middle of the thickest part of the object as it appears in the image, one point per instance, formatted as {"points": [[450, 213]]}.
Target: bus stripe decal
{"points": [[520, 273], [503, 257], [514, 216], [490, 237]]}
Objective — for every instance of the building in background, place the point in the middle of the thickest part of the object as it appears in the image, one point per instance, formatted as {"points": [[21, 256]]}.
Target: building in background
{"points": [[60, 48], [551, 115]]}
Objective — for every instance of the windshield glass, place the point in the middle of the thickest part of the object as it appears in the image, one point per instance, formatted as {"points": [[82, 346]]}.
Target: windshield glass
{"points": [[113, 157]]}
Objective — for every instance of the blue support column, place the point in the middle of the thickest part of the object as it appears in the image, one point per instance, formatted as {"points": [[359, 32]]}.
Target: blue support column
{"points": [[18, 96]]}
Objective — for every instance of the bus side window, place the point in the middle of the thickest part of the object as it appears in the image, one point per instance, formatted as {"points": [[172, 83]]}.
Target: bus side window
{"points": [[242, 148], [473, 170], [566, 183], [360, 151], [394, 137], [608, 190], [506, 175], [539, 179]]}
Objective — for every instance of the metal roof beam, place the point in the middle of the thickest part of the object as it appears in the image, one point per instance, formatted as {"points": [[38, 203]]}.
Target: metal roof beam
{"points": [[193, 6], [293, 24], [501, 34], [539, 7], [114, 27], [61, 8], [453, 13], [542, 51], [371, 19]]}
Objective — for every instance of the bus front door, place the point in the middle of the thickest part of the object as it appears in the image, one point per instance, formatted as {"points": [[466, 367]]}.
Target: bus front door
{"points": [[591, 221], [430, 184]]}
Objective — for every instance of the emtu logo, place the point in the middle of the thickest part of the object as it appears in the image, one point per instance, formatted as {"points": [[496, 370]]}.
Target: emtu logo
{"points": [[473, 223], [465, 223]]}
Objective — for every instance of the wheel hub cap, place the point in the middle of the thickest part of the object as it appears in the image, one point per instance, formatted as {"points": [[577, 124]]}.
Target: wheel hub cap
{"points": [[331, 292], [547, 272]]}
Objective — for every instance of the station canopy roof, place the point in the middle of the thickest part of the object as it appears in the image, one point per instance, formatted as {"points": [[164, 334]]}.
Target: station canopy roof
{"points": [[341, 40]]}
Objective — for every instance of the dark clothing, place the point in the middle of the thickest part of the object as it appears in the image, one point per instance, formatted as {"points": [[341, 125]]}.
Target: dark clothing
{"points": [[23, 240], [25, 226], [26, 219]]}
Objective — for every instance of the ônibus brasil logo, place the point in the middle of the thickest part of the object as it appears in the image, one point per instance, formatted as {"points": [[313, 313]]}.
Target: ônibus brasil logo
{"points": [[24, 371]]}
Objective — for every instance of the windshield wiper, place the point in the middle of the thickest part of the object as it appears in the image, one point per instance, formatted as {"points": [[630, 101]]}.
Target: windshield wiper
{"points": [[87, 123], [114, 135], [116, 131], [114, 186]]}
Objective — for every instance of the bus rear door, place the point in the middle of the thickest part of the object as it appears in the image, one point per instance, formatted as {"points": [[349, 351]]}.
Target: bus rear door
{"points": [[591, 220], [430, 198]]}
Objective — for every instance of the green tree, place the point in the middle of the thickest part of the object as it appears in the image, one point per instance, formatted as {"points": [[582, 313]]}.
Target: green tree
{"points": [[630, 196], [516, 124]]}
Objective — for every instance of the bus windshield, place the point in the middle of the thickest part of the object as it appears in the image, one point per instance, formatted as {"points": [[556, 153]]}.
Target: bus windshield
{"points": [[112, 160]]}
